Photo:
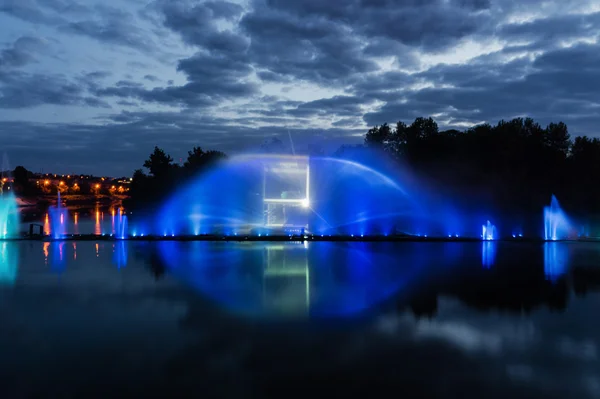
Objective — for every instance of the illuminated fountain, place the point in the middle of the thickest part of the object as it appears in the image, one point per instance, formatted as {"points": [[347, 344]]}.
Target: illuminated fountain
{"points": [[58, 220], [488, 231], [265, 195], [556, 223], [120, 225], [9, 216]]}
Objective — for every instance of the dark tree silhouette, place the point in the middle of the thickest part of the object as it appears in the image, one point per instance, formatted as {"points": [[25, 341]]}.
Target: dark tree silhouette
{"points": [[199, 159], [159, 163]]}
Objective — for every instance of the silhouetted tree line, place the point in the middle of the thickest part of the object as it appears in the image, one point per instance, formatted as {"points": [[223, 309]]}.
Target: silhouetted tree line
{"points": [[513, 167], [164, 175]]}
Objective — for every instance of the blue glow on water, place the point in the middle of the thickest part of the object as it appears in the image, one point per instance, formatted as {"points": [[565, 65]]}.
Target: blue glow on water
{"points": [[488, 253], [58, 261], [120, 254], [316, 280], [9, 262], [556, 260], [556, 224]]}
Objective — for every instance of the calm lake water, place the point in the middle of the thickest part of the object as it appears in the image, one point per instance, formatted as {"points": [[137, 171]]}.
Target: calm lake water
{"points": [[489, 320], [99, 219]]}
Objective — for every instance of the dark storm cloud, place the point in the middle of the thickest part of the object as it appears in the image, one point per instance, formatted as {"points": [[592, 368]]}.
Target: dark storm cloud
{"points": [[338, 105], [151, 78], [21, 52], [211, 78], [197, 23], [546, 32], [306, 49], [111, 25], [36, 145], [523, 87], [43, 11], [22, 90], [430, 24], [98, 75]]}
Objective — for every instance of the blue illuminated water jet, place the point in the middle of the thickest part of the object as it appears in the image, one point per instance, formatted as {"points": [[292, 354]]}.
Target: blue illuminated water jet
{"points": [[120, 225], [556, 223], [488, 231], [9, 216], [279, 194], [58, 220]]}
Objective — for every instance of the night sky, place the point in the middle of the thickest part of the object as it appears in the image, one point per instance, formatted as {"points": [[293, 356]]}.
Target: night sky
{"points": [[91, 86]]}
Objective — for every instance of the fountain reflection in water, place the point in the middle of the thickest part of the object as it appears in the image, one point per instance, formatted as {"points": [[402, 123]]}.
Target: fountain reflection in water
{"points": [[556, 223], [9, 257], [488, 254], [120, 254], [58, 258], [556, 260]]}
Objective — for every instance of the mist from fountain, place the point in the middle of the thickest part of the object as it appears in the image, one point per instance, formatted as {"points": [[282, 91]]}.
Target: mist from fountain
{"points": [[556, 224], [275, 194], [58, 220], [488, 231]]}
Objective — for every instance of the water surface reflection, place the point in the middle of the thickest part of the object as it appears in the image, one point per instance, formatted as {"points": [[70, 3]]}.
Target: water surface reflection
{"points": [[436, 319]]}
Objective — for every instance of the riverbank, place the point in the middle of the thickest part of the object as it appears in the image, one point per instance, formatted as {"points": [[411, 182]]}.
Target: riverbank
{"points": [[70, 200]]}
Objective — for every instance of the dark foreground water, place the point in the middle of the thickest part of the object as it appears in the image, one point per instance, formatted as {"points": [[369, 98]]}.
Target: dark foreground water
{"points": [[169, 319]]}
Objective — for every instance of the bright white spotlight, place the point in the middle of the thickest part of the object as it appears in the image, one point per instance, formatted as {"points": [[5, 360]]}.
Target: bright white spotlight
{"points": [[305, 203]]}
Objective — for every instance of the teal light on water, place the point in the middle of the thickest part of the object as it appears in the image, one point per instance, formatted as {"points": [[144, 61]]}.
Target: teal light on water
{"points": [[9, 257]]}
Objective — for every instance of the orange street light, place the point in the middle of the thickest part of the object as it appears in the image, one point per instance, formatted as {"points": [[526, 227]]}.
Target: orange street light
{"points": [[46, 182]]}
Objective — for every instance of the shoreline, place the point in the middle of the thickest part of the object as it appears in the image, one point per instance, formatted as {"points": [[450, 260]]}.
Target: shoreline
{"points": [[38, 202]]}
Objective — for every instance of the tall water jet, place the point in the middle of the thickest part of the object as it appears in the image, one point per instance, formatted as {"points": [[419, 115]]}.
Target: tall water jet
{"points": [[9, 216], [120, 226], [58, 219], [556, 223], [488, 231]]}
